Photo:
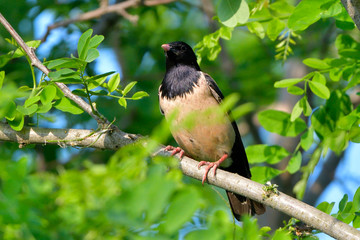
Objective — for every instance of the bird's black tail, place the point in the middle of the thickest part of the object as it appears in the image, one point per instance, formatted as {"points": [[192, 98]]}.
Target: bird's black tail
{"points": [[241, 205]]}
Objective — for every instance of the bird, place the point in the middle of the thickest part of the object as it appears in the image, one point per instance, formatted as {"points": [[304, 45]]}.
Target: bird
{"points": [[210, 135]]}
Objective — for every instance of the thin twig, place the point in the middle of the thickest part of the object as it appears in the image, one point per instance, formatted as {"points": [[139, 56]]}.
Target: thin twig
{"points": [[119, 8]]}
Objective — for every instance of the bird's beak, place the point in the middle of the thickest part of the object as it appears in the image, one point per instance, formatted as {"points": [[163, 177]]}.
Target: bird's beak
{"points": [[166, 47]]}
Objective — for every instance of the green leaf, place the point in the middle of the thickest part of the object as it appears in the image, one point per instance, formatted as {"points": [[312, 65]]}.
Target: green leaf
{"points": [[66, 105], [306, 13], [347, 122], [9, 111], [304, 104], [48, 94], [264, 174], [18, 122], [343, 203], [80, 92], [233, 12], [344, 41], [335, 74], [295, 90], [92, 55], [356, 222], [64, 63], [355, 80], [113, 83], [27, 110], [282, 7], [326, 207], [307, 139], [225, 32], [19, 52], [242, 110], [34, 43], [282, 234], [300, 186], [44, 108], [279, 122], [319, 89], [263, 153], [294, 163], [100, 92], [139, 95], [296, 112], [31, 100], [287, 82], [337, 141], [275, 27], [315, 63], [122, 102], [356, 201], [83, 44], [256, 28], [179, 213], [350, 53], [97, 80], [354, 134], [96, 83], [2, 76], [128, 87], [95, 41], [320, 78]]}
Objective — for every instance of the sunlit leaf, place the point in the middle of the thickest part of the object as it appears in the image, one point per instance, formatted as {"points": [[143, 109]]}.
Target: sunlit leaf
{"points": [[233, 12], [113, 82], [319, 89], [315, 63], [279, 122], [139, 95], [128, 87], [287, 82], [66, 105], [83, 44], [264, 153], [264, 174], [275, 27], [294, 163]]}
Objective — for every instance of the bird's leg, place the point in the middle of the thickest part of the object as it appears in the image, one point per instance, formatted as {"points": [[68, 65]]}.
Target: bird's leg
{"points": [[210, 165], [175, 150]]}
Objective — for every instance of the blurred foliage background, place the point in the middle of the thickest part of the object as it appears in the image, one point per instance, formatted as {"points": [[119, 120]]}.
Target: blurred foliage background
{"points": [[48, 192]]}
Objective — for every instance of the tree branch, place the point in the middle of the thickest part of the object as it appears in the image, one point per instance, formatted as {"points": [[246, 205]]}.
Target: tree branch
{"points": [[37, 63], [119, 8], [101, 139], [108, 139], [353, 9]]}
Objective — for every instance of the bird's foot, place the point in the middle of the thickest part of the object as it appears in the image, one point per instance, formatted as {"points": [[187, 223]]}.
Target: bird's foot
{"points": [[210, 165], [175, 150]]}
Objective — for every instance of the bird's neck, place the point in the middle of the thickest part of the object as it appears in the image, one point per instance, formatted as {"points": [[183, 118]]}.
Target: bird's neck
{"points": [[178, 81]]}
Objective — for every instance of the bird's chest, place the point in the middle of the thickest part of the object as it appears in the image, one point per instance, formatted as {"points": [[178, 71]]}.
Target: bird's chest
{"points": [[198, 124]]}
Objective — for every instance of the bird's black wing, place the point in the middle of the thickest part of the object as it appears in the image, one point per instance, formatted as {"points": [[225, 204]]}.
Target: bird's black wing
{"points": [[215, 90], [240, 163], [159, 93]]}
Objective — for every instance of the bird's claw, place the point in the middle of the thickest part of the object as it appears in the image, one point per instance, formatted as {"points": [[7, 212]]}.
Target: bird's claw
{"points": [[175, 150], [210, 165]]}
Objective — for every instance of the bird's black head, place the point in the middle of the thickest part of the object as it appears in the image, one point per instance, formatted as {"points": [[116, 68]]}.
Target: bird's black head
{"points": [[179, 53]]}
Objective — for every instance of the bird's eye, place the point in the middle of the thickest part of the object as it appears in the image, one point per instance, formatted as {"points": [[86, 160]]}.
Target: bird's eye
{"points": [[183, 48]]}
